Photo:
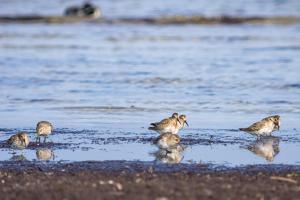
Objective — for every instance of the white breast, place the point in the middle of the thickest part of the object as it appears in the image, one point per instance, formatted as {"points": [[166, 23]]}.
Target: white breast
{"points": [[169, 129], [266, 130]]}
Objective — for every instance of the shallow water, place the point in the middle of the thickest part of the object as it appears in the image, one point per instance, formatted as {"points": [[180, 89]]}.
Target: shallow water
{"points": [[114, 79], [213, 146]]}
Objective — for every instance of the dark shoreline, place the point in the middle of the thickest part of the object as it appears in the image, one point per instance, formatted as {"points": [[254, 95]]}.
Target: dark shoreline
{"points": [[140, 166], [146, 180], [154, 20]]}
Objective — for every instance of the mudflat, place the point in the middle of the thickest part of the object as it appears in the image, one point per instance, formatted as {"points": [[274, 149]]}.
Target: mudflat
{"points": [[138, 180]]}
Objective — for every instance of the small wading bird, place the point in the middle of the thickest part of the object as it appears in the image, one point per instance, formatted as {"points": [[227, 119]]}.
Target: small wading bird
{"points": [[86, 10], [19, 141], [265, 127], [183, 120], [169, 125], [43, 128]]}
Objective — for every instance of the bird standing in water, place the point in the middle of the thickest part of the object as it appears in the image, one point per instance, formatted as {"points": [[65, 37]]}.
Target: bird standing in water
{"points": [[43, 128], [168, 125], [19, 141], [265, 127]]}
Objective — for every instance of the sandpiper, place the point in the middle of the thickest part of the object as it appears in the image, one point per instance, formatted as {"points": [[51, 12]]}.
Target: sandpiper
{"points": [[19, 140], [167, 141], [182, 120], [86, 10], [265, 127], [168, 125], [43, 128]]}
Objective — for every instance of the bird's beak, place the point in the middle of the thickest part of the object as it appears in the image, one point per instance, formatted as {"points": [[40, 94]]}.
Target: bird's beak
{"points": [[179, 121], [277, 126], [186, 123]]}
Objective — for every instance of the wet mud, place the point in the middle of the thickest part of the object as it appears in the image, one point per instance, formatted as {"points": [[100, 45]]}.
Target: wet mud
{"points": [[124, 180]]}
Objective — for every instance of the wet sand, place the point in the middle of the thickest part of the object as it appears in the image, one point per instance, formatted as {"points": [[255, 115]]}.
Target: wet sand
{"points": [[138, 180]]}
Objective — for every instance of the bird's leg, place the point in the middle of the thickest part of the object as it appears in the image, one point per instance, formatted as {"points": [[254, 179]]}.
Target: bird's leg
{"points": [[211, 139], [258, 137], [168, 151], [45, 139]]}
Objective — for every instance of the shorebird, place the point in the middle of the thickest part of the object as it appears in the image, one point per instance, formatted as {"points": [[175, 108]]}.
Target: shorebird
{"points": [[182, 119], [43, 128], [265, 127], [168, 125], [86, 10], [19, 140], [167, 141], [267, 147]]}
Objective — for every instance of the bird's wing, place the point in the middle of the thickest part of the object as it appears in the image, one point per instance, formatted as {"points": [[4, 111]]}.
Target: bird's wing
{"points": [[254, 127], [161, 123], [12, 139]]}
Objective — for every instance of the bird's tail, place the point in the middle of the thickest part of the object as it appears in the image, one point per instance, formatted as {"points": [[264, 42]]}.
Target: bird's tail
{"points": [[152, 128], [153, 124], [9, 141], [243, 129]]}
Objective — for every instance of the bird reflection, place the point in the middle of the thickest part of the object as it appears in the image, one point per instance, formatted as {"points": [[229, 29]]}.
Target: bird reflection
{"points": [[266, 147], [44, 154], [20, 157], [170, 156]]}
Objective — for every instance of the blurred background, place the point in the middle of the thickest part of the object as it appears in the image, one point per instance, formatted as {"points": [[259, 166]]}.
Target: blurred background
{"points": [[135, 8], [90, 74]]}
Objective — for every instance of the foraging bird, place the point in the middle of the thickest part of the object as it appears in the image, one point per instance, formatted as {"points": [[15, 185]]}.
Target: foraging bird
{"points": [[168, 125], [183, 120], [167, 141], [174, 116], [19, 140], [86, 10], [265, 127], [43, 128]]}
